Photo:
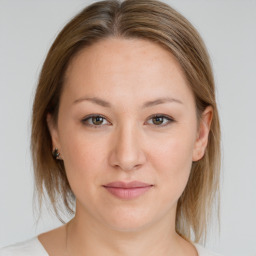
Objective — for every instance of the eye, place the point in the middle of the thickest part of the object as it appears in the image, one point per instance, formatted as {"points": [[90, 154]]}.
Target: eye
{"points": [[96, 121], [158, 120]]}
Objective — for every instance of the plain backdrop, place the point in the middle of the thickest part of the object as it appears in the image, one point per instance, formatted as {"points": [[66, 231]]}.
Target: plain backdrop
{"points": [[27, 29]]}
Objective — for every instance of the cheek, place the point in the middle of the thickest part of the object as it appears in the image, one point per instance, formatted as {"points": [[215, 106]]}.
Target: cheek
{"points": [[173, 161], [175, 151], [83, 157]]}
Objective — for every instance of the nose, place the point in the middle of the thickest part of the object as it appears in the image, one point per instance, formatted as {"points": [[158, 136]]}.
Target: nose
{"points": [[127, 153]]}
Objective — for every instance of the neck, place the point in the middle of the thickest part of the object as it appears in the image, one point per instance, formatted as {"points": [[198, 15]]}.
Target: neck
{"points": [[88, 237]]}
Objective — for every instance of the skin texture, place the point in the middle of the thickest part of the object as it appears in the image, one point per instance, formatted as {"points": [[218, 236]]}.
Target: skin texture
{"points": [[127, 144]]}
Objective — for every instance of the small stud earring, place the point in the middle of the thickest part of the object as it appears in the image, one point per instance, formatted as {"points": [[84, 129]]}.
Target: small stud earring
{"points": [[56, 154]]}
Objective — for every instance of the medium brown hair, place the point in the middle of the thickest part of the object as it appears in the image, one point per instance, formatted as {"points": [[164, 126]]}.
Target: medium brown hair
{"points": [[143, 19]]}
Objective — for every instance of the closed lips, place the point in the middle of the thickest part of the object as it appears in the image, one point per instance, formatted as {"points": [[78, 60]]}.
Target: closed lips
{"points": [[133, 184], [127, 191]]}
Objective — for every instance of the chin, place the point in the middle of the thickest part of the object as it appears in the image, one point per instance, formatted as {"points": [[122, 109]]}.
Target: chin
{"points": [[128, 220], [129, 227]]}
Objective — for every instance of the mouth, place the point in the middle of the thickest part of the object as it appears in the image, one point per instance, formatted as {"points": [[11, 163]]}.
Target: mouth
{"points": [[128, 191]]}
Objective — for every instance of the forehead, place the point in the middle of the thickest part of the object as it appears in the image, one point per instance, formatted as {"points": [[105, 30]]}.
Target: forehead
{"points": [[122, 67], [119, 54]]}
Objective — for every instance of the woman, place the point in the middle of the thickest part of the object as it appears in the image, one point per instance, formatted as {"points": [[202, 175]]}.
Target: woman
{"points": [[125, 134]]}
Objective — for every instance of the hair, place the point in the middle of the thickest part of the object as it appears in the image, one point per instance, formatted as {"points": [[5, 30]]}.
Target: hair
{"points": [[143, 19]]}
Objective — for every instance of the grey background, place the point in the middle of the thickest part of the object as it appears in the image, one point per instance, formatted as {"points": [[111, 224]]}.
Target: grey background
{"points": [[27, 29]]}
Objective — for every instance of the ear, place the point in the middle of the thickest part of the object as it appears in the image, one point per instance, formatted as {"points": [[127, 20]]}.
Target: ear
{"points": [[53, 131], [202, 135]]}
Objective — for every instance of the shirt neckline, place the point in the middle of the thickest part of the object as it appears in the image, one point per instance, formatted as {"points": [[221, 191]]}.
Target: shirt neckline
{"points": [[198, 247]]}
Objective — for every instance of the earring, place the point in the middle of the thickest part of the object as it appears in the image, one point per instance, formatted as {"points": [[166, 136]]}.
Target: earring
{"points": [[56, 154]]}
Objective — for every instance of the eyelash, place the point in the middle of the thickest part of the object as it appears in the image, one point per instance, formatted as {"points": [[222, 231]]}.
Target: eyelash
{"points": [[170, 120]]}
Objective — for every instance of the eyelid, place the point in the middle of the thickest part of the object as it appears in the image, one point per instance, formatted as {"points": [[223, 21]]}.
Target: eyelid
{"points": [[90, 116], [167, 117]]}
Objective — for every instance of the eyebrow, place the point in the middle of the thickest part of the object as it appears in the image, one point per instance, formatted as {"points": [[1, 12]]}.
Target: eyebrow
{"points": [[106, 104]]}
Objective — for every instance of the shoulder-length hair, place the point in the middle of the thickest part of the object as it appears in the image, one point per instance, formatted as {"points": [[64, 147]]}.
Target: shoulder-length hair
{"points": [[145, 19]]}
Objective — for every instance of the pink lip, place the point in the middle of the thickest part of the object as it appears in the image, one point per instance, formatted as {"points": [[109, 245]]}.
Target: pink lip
{"points": [[128, 190]]}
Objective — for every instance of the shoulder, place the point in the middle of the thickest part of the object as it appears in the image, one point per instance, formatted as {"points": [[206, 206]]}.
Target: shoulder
{"points": [[203, 251], [25, 248]]}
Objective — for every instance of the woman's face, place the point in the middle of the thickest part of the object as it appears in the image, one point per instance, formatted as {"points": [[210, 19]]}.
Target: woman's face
{"points": [[107, 132]]}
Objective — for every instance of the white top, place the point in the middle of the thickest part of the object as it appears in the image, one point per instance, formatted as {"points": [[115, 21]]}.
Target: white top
{"points": [[33, 247]]}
